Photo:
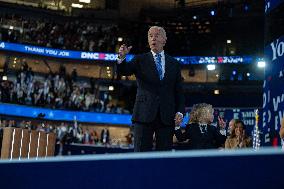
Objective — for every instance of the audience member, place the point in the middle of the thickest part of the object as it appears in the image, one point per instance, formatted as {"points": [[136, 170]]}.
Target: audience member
{"points": [[238, 137]]}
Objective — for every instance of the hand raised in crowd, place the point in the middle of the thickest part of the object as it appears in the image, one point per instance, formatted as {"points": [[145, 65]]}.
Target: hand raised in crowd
{"points": [[178, 119], [222, 123], [123, 51]]}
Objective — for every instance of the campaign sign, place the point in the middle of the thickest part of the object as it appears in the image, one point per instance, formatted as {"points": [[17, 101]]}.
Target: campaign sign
{"points": [[273, 90]]}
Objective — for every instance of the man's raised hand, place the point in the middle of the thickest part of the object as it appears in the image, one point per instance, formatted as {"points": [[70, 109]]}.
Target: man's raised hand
{"points": [[123, 51]]}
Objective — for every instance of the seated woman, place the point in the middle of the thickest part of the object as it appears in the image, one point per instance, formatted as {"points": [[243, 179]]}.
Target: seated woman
{"points": [[238, 138], [199, 131]]}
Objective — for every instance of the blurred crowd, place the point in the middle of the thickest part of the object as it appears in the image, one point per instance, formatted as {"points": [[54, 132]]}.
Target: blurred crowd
{"points": [[85, 35], [67, 134], [58, 91], [72, 35]]}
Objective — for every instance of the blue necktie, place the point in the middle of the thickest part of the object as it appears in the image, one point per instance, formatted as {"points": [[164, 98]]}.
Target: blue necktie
{"points": [[158, 61]]}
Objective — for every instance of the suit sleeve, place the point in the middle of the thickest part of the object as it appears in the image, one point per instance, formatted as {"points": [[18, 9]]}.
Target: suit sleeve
{"points": [[129, 68], [179, 96]]}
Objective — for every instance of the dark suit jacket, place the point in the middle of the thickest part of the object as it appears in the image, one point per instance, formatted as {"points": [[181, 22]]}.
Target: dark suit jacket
{"points": [[155, 95], [212, 138]]}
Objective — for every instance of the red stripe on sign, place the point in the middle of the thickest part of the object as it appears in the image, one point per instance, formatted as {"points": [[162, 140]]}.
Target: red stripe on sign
{"points": [[102, 56]]}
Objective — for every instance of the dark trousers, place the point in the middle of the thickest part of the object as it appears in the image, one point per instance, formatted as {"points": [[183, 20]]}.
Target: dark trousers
{"points": [[144, 132]]}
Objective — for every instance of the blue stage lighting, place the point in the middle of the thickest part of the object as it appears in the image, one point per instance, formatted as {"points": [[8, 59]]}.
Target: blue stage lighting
{"points": [[246, 7]]}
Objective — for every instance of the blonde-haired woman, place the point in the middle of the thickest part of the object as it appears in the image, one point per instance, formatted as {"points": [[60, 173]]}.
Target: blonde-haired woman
{"points": [[199, 131], [238, 138]]}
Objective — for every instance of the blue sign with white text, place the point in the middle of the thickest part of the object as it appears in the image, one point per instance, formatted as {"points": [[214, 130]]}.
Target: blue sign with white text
{"points": [[273, 91], [59, 53], [272, 4], [63, 115]]}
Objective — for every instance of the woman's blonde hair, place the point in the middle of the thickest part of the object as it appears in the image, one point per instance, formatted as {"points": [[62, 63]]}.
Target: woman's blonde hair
{"points": [[201, 113]]}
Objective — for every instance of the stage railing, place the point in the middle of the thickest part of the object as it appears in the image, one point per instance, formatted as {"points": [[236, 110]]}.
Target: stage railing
{"points": [[21, 143], [214, 169]]}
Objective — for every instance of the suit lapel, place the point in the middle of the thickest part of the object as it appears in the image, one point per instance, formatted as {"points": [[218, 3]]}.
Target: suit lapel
{"points": [[167, 67]]}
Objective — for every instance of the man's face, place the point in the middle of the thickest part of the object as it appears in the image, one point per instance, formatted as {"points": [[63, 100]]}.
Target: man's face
{"points": [[156, 40]]}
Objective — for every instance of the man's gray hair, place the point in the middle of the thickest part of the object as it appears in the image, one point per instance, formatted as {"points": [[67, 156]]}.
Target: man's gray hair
{"points": [[161, 29]]}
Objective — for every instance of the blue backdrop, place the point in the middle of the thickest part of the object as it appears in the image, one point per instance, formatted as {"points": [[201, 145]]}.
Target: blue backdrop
{"points": [[272, 4], [273, 91]]}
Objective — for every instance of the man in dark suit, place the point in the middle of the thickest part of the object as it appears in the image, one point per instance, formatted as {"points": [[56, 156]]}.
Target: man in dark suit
{"points": [[159, 100]]}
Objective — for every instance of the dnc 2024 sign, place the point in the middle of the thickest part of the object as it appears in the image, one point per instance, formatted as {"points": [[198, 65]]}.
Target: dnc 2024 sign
{"points": [[58, 53]]}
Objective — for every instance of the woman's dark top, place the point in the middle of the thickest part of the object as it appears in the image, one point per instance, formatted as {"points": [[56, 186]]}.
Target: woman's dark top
{"points": [[201, 136]]}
